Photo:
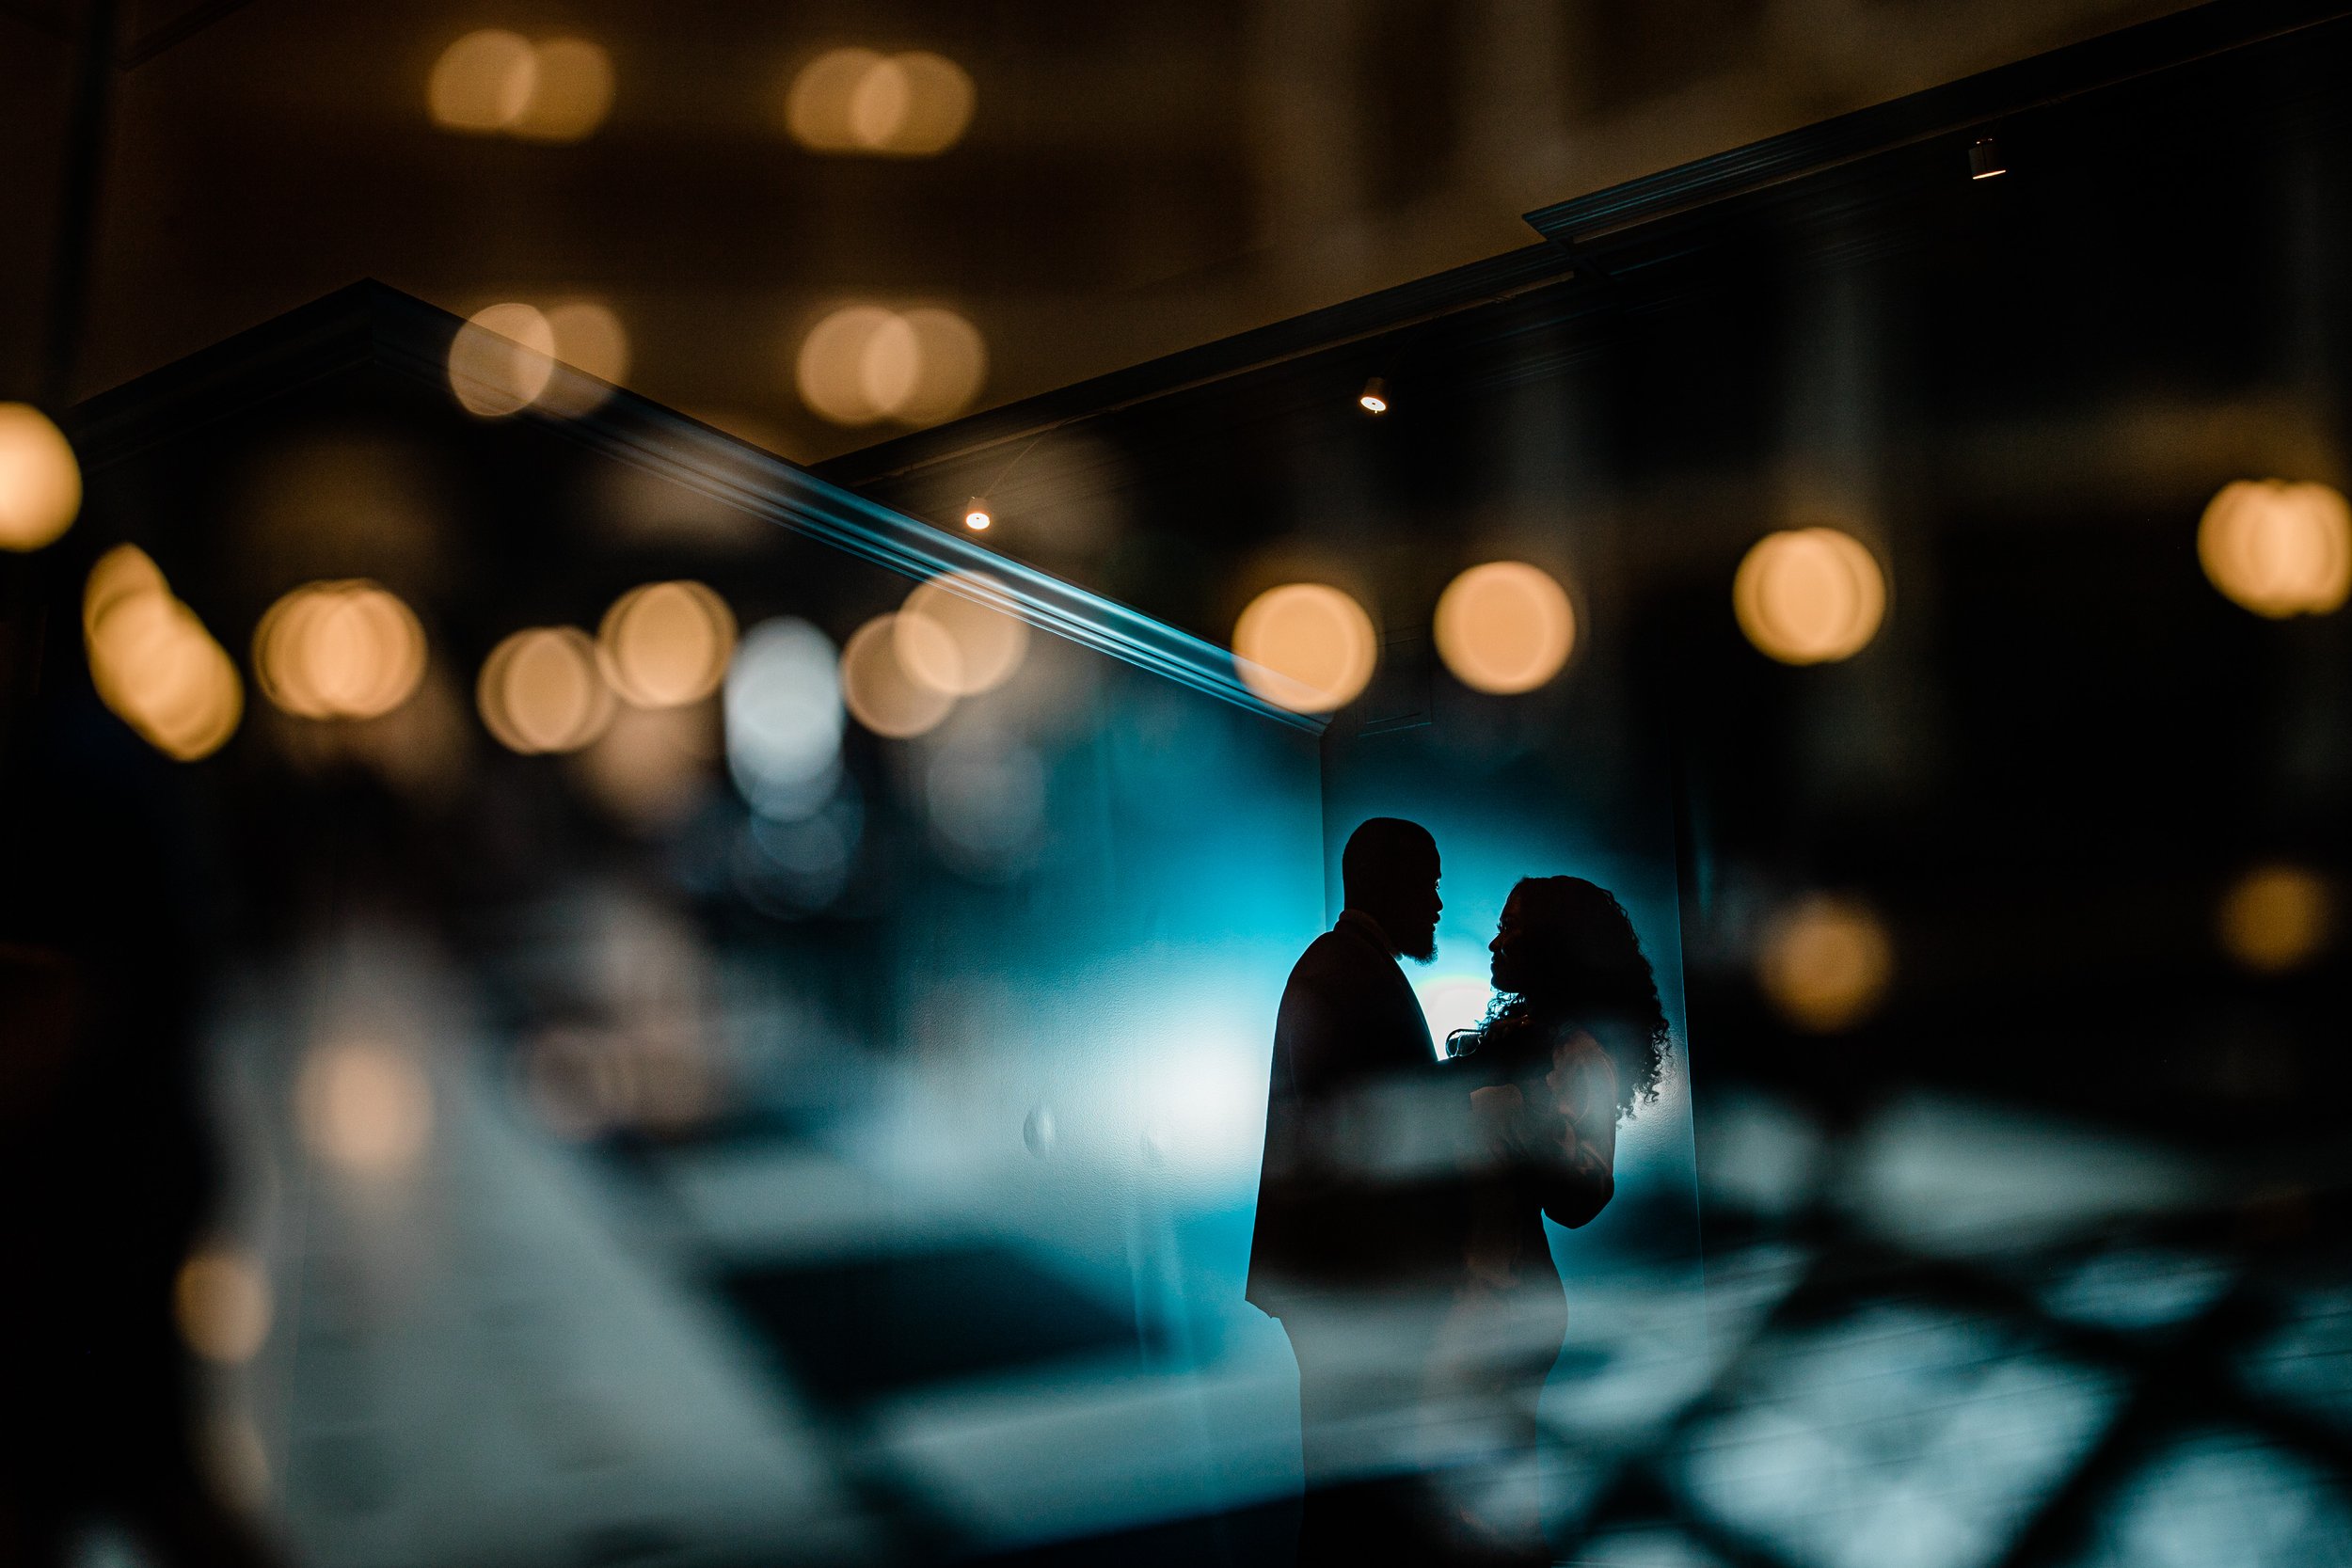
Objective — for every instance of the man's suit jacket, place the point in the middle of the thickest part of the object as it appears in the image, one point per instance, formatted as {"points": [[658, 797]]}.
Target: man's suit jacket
{"points": [[1351, 1049]]}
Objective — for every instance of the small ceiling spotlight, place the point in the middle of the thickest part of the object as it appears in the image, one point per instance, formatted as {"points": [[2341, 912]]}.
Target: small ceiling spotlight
{"points": [[1984, 160], [1374, 397], [977, 514]]}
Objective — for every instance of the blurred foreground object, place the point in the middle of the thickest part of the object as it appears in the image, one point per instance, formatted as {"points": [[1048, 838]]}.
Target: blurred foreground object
{"points": [[2279, 549], [784, 715], [40, 485], [154, 662]]}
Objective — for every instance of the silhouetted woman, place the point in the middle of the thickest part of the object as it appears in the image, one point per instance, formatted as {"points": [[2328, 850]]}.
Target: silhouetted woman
{"points": [[1573, 1040]]}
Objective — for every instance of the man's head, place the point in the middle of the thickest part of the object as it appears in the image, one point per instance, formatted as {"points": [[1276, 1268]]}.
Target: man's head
{"points": [[1389, 872]]}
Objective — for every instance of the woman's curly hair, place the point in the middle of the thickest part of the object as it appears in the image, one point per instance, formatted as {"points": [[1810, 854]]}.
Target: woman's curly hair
{"points": [[1593, 975]]}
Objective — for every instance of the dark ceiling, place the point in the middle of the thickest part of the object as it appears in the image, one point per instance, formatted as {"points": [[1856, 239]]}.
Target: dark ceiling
{"points": [[1137, 180]]}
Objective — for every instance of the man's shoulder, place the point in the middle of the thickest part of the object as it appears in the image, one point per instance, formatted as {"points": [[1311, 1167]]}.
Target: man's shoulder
{"points": [[1337, 953]]}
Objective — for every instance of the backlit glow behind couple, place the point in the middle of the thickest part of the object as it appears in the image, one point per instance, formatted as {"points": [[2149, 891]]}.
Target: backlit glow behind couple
{"points": [[1400, 1230]]}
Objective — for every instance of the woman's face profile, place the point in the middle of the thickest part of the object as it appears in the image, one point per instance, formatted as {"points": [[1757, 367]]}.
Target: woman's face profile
{"points": [[1510, 960]]}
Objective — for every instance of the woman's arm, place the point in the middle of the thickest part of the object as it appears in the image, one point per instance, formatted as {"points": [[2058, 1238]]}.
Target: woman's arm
{"points": [[1574, 1164]]}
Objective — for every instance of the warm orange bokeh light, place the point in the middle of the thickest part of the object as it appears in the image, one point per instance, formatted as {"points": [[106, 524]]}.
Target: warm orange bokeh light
{"points": [[365, 1107], [222, 1305], [41, 484], [483, 82], [338, 650], [863, 364], [2275, 918], [590, 336], [559, 90], [1504, 627], [951, 364], [541, 690], [123, 573], [830, 369], [1809, 596], [817, 107], [1825, 962], [2279, 549], [666, 644], [501, 360], [153, 663], [876, 688], [956, 644], [858, 101], [571, 93], [1305, 646]]}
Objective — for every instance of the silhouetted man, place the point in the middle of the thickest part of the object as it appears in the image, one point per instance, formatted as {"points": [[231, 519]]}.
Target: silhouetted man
{"points": [[1351, 1241]]}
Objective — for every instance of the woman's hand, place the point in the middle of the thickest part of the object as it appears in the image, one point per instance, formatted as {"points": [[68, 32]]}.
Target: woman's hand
{"points": [[1583, 1088], [1496, 1102]]}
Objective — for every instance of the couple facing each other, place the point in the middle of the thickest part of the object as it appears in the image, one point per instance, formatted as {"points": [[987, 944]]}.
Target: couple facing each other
{"points": [[1399, 1236]]}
